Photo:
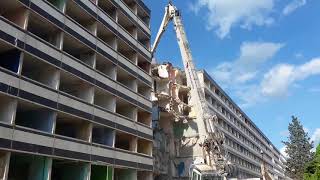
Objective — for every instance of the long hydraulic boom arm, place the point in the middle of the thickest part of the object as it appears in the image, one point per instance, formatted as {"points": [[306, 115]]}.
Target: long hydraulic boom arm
{"points": [[209, 135], [172, 14], [164, 24]]}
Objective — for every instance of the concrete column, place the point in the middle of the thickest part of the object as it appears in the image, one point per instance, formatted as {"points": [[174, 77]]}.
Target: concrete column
{"points": [[20, 63], [114, 138], [116, 14], [135, 114], [40, 168], [134, 32], [92, 27], [135, 8], [90, 128], [89, 58], [8, 108], [85, 132], [20, 17], [115, 43], [86, 172], [57, 39], [54, 123], [60, 4], [50, 77], [135, 58], [60, 36], [113, 72], [86, 93], [134, 144], [4, 165], [49, 164]]}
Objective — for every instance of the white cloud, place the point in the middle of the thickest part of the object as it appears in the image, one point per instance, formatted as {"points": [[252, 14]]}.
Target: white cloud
{"points": [[245, 78], [239, 73], [292, 6], [244, 68], [224, 14], [316, 137], [277, 81], [282, 151]]}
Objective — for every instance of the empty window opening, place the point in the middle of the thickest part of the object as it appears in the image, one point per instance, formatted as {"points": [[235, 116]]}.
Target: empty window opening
{"points": [[125, 174], [144, 64], [10, 58], [67, 170], [125, 50], [144, 117], [74, 11], [36, 117], [105, 66], [76, 87], [125, 141], [183, 94], [107, 36], [145, 175], [109, 8], [103, 135], [8, 108], [101, 172], [126, 24], [73, 127], [144, 90], [207, 82], [143, 16], [104, 100], [132, 5], [143, 39], [60, 4], [126, 109], [208, 98], [28, 167], [78, 50], [45, 30], [40, 71], [15, 12], [126, 79], [144, 147]]}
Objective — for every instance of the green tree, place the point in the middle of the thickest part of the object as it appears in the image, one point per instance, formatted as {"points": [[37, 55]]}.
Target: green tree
{"points": [[298, 149], [312, 169]]}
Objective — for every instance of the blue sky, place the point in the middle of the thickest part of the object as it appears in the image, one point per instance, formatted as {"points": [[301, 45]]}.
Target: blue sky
{"points": [[265, 54]]}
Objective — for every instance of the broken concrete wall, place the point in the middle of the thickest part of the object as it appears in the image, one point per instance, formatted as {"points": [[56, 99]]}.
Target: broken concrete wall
{"points": [[170, 115]]}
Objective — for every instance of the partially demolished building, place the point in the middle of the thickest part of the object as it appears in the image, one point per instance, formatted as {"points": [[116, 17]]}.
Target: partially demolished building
{"points": [[170, 98], [247, 147]]}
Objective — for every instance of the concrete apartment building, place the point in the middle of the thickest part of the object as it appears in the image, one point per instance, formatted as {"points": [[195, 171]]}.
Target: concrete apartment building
{"points": [[244, 141], [75, 90], [172, 121]]}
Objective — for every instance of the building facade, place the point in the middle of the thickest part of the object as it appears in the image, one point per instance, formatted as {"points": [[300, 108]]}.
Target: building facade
{"points": [[175, 144], [75, 90], [248, 148]]}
